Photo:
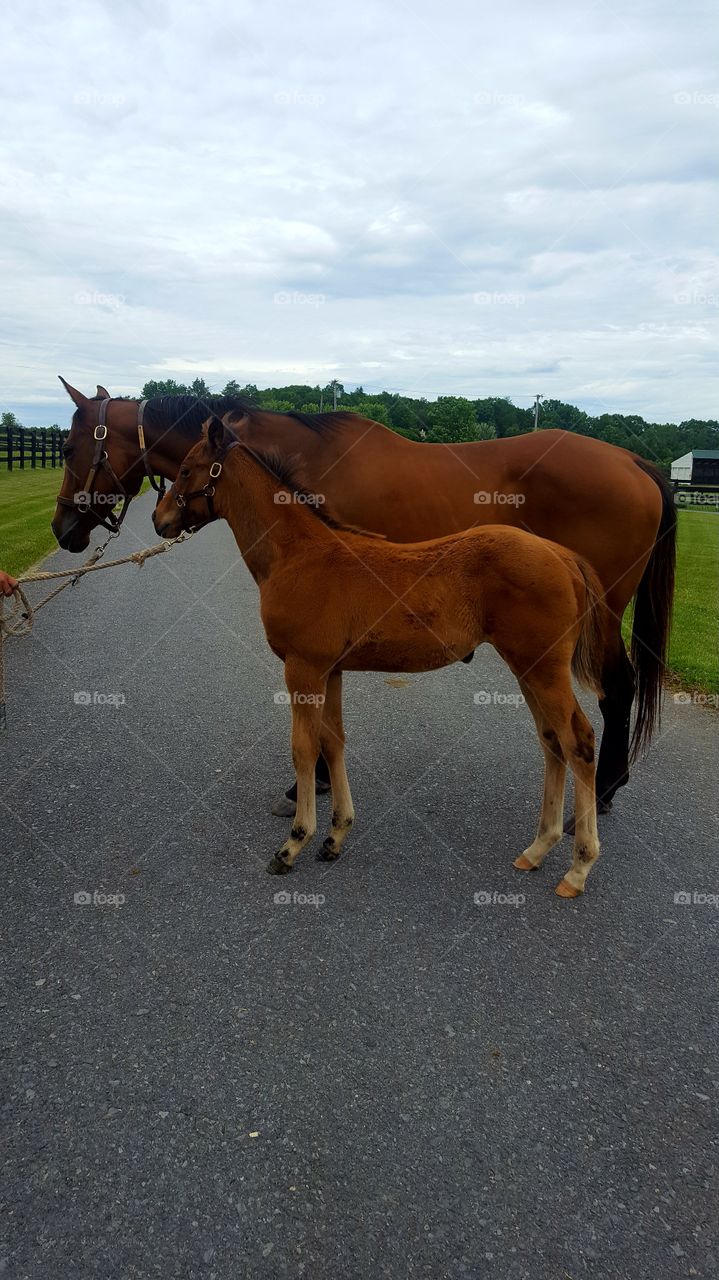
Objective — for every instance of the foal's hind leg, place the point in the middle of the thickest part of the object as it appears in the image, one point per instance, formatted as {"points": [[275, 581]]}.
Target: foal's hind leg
{"points": [[332, 741], [579, 746], [550, 684], [549, 831], [307, 690]]}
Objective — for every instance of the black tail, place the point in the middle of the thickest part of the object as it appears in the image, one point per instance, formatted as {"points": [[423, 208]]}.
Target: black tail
{"points": [[652, 616]]}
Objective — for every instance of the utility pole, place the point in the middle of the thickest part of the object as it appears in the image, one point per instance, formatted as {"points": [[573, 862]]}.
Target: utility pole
{"points": [[536, 412], [334, 384]]}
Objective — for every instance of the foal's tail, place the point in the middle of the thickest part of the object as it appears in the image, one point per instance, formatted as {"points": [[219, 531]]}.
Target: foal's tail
{"points": [[589, 651]]}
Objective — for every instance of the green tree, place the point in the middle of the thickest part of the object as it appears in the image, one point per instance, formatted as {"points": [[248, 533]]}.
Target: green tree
{"points": [[452, 419]]}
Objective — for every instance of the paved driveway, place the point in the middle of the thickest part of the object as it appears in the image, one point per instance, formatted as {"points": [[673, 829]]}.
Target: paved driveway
{"points": [[397, 1081]]}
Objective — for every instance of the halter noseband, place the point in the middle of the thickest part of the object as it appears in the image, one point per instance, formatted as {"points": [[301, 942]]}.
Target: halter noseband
{"points": [[86, 499]]}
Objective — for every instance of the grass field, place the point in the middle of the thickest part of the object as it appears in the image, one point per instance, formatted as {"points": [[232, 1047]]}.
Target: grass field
{"points": [[27, 500]]}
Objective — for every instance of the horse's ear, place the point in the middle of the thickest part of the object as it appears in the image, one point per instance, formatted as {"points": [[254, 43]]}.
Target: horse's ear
{"points": [[76, 396], [218, 437], [102, 393]]}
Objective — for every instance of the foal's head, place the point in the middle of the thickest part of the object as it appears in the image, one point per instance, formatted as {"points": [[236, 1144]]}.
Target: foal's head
{"points": [[189, 503]]}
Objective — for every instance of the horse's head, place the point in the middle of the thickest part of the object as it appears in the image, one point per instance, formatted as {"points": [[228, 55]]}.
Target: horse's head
{"points": [[189, 503], [101, 467]]}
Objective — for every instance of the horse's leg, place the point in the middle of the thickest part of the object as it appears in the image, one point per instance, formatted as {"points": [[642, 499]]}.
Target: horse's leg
{"points": [[619, 683], [332, 741], [578, 744], [286, 806], [306, 723], [551, 686], [549, 831]]}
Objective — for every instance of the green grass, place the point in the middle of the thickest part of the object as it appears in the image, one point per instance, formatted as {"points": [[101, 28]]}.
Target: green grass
{"points": [[694, 650], [27, 501]]}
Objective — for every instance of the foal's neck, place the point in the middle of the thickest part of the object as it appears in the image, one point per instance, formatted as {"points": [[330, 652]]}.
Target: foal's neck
{"points": [[267, 523]]}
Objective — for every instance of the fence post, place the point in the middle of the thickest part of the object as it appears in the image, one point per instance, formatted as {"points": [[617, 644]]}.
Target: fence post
{"points": [[43, 449], [22, 449], [33, 448], [8, 430]]}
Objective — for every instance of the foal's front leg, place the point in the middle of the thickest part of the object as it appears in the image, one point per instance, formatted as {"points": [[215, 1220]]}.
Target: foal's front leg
{"points": [[307, 692]]}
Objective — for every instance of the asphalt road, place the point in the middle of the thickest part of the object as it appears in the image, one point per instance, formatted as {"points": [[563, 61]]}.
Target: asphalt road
{"points": [[395, 1081]]}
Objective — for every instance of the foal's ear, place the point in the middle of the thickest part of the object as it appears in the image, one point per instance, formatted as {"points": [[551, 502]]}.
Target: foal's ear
{"points": [[217, 435]]}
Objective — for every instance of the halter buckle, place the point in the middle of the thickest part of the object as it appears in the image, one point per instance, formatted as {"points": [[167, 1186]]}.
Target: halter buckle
{"points": [[215, 470], [100, 432]]}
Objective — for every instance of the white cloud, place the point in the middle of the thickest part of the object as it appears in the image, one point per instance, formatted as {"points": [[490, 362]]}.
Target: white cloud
{"points": [[169, 170]]}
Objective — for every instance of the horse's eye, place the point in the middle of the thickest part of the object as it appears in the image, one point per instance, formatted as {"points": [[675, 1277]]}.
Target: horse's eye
{"points": [[184, 473], [68, 450]]}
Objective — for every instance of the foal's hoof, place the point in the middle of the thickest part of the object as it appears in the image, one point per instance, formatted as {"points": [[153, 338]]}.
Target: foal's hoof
{"points": [[523, 864], [566, 890], [284, 808], [329, 852], [278, 867]]}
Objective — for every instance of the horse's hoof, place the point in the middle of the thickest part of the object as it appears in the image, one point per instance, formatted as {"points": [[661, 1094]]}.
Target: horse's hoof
{"points": [[604, 806], [284, 808], [321, 787], [523, 864], [278, 867], [568, 827], [328, 852], [566, 890]]}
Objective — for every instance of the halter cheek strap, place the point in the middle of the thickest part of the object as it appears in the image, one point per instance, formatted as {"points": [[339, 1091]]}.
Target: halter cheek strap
{"points": [[160, 486], [207, 492]]}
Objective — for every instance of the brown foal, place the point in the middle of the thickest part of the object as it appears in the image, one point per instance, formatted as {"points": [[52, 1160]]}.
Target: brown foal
{"points": [[334, 598]]}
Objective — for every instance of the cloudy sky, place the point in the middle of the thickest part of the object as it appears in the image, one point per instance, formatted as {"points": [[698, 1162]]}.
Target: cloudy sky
{"points": [[456, 198]]}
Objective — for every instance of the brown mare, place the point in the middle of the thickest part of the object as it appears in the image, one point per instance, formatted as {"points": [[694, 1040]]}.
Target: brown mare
{"points": [[335, 599], [606, 504]]}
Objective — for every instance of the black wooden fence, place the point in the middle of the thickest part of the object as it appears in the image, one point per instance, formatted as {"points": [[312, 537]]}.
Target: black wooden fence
{"points": [[32, 447]]}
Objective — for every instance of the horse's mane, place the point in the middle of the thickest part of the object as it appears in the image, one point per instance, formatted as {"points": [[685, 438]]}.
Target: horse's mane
{"points": [[186, 414], [283, 472]]}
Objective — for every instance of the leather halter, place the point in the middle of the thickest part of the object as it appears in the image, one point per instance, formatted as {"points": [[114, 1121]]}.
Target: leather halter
{"points": [[86, 499], [208, 490]]}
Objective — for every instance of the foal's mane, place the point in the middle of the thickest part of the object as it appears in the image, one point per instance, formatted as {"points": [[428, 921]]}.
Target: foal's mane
{"points": [[282, 471], [187, 413]]}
